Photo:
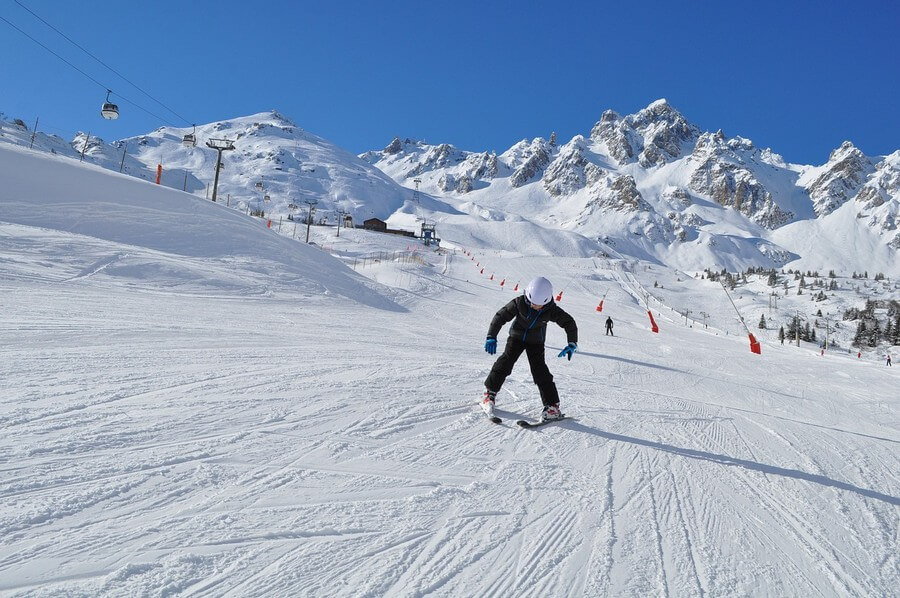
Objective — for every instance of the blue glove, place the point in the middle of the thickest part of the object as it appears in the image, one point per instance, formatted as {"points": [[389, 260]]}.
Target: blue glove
{"points": [[490, 345], [568, 351]]}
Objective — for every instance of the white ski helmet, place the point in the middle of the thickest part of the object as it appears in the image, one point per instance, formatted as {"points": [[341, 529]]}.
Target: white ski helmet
{"points": [[539, 291]]}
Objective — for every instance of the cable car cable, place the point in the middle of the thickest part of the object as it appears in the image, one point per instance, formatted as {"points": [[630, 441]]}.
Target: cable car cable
{"points": [[157, 117], [120, 75]]}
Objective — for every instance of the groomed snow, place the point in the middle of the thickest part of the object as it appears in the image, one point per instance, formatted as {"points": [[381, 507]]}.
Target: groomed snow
{"points": [[194, 404]]}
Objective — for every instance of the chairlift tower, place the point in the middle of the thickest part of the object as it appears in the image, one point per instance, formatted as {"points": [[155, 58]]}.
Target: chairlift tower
{"points": [[416, 192], [428, 233], [342, 215], [704, 314], [220, 145], [312, 208]]}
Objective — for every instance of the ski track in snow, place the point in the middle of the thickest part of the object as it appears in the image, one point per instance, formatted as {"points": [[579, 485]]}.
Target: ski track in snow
{"points": [[164, 439]]}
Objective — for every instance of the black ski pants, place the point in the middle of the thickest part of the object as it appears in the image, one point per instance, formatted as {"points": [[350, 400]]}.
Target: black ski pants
{"points": [[539, 371]]}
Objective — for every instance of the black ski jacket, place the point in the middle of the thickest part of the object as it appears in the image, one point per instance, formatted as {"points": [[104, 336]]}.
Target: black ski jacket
{"points": [[529, 324]]}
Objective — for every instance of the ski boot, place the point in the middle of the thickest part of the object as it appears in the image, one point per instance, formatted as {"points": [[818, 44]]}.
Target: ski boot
{"points": [[551, 413], [487, 402]]}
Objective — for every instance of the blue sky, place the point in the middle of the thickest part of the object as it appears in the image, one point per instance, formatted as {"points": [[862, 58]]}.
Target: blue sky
{"points": [[799, 77]]}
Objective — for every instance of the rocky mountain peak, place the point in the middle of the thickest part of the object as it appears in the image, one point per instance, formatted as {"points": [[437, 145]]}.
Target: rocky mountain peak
{"points": [[654, 135], [528, 160], [609, 116], [841, 179], [884, 184], [725, 174], [394, 147], [846, 148], [571, 170], [879, 198]]}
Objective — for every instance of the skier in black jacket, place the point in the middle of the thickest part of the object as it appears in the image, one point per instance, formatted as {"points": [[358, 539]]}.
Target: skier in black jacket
{"points": [[529, 314]]}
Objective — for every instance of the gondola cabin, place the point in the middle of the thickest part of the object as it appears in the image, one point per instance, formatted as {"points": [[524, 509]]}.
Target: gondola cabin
{"points": [[109, 111]]}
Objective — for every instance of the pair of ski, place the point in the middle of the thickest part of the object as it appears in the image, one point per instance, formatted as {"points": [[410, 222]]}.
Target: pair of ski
{"points": [[521, 422]]}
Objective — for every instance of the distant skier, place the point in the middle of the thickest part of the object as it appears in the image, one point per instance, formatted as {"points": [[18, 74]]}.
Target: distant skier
{"points": [[888, 362], [529, 314], [609, 325]]}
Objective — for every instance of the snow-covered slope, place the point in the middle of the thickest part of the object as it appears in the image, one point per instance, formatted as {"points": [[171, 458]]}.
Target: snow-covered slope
{"points": [[192, 404], [275, 167], [151, 227], [652, 185], [93, 150]]}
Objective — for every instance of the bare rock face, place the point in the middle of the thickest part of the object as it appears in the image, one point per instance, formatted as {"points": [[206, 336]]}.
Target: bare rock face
{"points": [[895, 242], [534, 158], [879, 198], [439, 156], [724, 176], [677, 195], [394, 147], [654, 136], [884, 184], [622, 141], [844, 175], [627, 195], [464, 184], [481, 166], [571, 170], [447, 182], [619, 193], [459, 184]]}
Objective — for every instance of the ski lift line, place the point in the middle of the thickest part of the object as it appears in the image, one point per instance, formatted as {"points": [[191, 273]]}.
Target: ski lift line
{"points": [[139, 107], [120, 75], [159, 118], [51, 51]]}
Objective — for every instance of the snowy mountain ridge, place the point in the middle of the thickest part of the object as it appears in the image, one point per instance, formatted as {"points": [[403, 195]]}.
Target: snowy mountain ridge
{"points": [[275, 165], [649, 185], [653, 185]]}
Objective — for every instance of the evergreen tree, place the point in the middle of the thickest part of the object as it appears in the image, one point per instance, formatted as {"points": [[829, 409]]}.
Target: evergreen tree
{"points": [[773, 279], [781, 334], [762, 322], [793, 328], [874, 335], [859, 338]]}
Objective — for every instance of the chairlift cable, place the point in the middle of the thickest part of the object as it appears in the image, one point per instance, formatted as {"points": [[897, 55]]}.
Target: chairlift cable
{"points": [[120, 75], [157, 117], [52, 52]]}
